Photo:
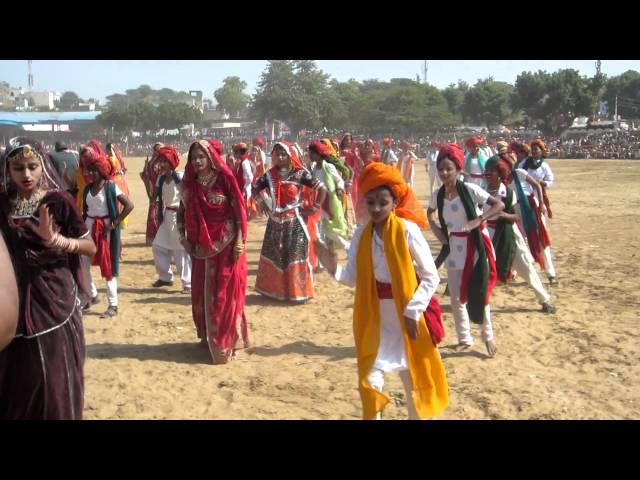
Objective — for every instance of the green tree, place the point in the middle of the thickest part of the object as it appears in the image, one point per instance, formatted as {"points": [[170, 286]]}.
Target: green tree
{"points": [[69, 101], [627, 88], [231, 97], [487, 102], [454, 95], [273, 100], [531, 96]]}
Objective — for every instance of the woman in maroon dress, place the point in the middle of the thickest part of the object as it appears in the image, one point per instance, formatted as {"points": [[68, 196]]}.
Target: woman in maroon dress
{"points": [[41, 370]]}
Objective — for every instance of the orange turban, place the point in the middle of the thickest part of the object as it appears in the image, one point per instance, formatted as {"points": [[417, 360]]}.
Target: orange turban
{"points": [[377, 174], [540, 144], [474, 141]]}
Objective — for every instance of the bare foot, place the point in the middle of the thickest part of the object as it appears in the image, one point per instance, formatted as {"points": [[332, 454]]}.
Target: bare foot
{"points": [[492, 348], [461, 347]]}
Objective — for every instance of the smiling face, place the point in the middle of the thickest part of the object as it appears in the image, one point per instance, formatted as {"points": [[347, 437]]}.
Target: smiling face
{"points": [[380, 203], [492, 176], [26, 173]]}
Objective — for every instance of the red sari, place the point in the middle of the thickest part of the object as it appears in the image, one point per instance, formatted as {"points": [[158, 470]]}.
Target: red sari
{"points": [[218, 281]]}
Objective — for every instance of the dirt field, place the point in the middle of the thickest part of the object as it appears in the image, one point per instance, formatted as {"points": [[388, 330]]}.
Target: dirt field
{"points": [[580, 363]]}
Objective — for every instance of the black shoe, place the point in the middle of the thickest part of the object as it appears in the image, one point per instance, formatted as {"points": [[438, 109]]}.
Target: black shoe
{"points": [[111, 312], [553, 281], [548, 308], [161, 283], [93, 301]]}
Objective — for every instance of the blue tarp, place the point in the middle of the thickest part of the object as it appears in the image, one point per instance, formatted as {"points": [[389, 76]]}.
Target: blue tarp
{"points": [[19, 118]]}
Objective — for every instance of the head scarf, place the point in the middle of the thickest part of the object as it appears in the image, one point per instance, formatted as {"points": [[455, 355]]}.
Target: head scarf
{"points": [[329, 144], [170, 154], [377, 174], [258, 142], [30, 147], [520, 147], [217, 145], [195, 221], [453, 152], [291, 151], [320, 148], [500, 145]]}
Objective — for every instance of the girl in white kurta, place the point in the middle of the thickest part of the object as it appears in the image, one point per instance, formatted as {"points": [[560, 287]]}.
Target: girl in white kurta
{"points": [[497, 173], [166, 244], [537, 168], [392, 347], [459, 227]]}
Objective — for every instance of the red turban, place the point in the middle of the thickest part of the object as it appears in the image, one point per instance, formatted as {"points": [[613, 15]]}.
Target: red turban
{"points": [[170, 154], [320, 148], [91, 156], [387, 140], [377, 174], [474, 141], [519, 147], [453, 152], [258, 142]]}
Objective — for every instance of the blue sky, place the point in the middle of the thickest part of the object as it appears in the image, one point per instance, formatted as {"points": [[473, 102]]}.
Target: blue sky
{"points": [[99, 78]]}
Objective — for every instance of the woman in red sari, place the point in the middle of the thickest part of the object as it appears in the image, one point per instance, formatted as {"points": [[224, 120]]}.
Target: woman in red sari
{"points": [[213, 226], [369, 153]]}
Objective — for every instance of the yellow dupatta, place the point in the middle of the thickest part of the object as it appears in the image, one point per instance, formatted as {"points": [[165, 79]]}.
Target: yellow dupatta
{"points": [[430, 389]]}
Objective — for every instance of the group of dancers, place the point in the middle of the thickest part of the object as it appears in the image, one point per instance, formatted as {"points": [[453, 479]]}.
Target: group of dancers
{"points": [[63, 211]]}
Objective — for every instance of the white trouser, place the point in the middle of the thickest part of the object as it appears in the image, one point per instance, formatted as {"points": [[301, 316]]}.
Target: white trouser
{"points": [[112, 291], [112, 285], [376, 379], [524, 266], [162, 258], [460, 315], [435, 179], [546, 253]]}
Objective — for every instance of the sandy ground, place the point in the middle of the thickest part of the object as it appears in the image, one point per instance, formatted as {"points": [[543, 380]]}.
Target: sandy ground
{"points": [[580, 363]]}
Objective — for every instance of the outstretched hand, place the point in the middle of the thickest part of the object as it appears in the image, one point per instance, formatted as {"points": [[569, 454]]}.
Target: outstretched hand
{"points": [[46, 228]]}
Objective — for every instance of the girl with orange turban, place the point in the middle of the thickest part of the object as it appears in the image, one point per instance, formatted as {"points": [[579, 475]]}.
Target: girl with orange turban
{"points": [[466, 246], [396, 317]]}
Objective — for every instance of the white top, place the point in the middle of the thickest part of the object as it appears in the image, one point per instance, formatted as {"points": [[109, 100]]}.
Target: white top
{"points": [[247, 175], [455, 219], [168, 235], [170, 191], [539, 174], [391, 350], [392, 158], [97, 204], [433, 156], [408, 176], [318, 173]]}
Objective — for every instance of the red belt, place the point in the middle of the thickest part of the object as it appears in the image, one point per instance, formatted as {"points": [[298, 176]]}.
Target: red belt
{"points": [[106, 216], [384, 290], [466, 234], [173, 209], [476, 175], [492, 223]]}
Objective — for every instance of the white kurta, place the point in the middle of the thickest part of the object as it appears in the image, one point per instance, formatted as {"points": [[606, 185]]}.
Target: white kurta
{"points": [[456, 218], [391, 351], [410, 174], [474, 169], [168, 236], [247, 175]]}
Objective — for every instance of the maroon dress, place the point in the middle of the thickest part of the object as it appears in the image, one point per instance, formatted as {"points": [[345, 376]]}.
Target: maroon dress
{"points": [[41, 370]]}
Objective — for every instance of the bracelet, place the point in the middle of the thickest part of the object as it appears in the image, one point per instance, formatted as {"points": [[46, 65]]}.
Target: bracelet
{"points": [[59, 242]]}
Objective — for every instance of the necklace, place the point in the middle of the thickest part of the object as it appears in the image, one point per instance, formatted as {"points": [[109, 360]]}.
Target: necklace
{"points": [[204, 181], [25, 207]]}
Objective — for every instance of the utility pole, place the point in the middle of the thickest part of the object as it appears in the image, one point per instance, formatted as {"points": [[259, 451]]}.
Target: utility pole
{"points": [[30, 77], [615, 115], [426, 68]]}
